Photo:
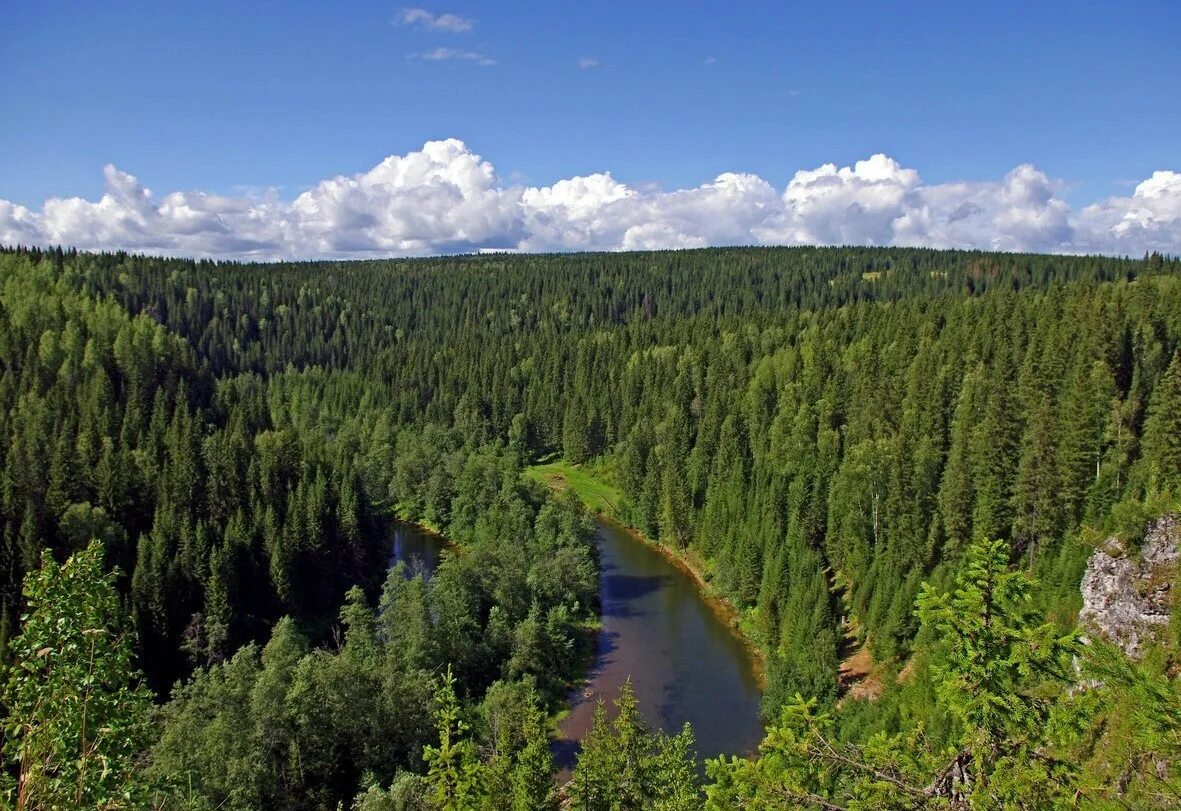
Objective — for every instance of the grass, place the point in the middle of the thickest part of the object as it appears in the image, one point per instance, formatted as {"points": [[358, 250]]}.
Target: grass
{"points": [[590, 486], [402, 514]]}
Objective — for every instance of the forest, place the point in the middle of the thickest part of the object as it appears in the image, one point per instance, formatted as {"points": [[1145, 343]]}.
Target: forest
{"points": [[904, 452]]}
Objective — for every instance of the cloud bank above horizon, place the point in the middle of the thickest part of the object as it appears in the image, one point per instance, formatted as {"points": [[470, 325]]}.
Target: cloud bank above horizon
{"points": [[444, 198]]}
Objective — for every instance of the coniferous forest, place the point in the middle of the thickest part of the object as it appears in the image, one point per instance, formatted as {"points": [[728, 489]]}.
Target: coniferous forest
{"points": [[904, 454]]}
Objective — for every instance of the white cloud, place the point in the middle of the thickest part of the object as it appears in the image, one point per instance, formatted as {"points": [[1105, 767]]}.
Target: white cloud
{"points": [[855, 205], [445, 54], [588, 62], [19, 225], [442, 197], [453, 23], [446, 198], [1149, 220], [1018, 213], [600, 213], [572, 214]]}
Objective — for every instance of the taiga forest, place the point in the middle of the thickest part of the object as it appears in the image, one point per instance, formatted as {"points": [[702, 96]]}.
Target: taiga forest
{"points": [[889, 470]]}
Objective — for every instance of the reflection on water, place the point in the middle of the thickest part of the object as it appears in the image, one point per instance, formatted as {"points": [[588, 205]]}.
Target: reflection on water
{"points": [[416, 547], [684, 664]]}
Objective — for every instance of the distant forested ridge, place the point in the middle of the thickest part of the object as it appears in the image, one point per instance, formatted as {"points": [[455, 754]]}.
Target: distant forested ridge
{"points": [[826, 429], [806, 418]]}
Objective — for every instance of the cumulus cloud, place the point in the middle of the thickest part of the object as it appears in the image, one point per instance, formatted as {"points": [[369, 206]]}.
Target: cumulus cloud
{"points": [[442, 197], [1149, 220], [446, 198], [829, 206], [588, 62], [1018, 213], [452, 23]]}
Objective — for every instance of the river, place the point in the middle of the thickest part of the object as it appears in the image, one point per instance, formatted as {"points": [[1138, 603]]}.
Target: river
{"points": [[685, 665], [416, 547]]}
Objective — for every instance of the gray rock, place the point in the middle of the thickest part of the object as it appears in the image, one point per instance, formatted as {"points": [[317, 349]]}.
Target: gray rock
{"points": [[1127, 597]]}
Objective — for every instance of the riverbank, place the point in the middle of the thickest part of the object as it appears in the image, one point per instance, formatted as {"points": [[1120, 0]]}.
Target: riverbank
{"points": [[587, 630], [427, 529], [588, 639], [398, 514], [605, 501]]}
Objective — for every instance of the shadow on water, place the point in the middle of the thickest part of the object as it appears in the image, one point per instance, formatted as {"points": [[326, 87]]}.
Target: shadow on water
{"points": [[657, 631], [605, 645], [684, 664], [674, 699], [621, 592], [417, 548], [565, 753]]}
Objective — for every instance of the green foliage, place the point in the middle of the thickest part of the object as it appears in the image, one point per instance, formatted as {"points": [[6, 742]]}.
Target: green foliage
{"points": [[516, 770], [824, 428], [999, 673], [624, 765], [1162, 430], [77, 719], [408, 792], [453, 770], [306, 729], [800, 765], [1131, 755]]}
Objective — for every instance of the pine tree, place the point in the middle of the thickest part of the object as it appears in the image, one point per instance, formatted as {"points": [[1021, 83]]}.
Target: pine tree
{"points": [[532, 775], [623, 764], [956, 492], [676, 505], [218, 606], [993, 453], [1087, 400], [454, 772], [1002, 675], [576, 432]]}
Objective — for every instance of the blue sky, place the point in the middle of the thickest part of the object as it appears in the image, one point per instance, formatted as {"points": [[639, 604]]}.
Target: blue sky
{"points": [[231, 98]]}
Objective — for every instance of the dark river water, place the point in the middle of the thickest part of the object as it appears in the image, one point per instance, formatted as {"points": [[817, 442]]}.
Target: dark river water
{"points": [[683, 662], [418, 548]]}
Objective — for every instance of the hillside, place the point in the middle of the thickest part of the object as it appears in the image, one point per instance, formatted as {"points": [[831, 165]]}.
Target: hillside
{"points": [[823, 430]]}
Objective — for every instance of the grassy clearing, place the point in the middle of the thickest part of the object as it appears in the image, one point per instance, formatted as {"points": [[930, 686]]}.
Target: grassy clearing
{"points": [[599, 495]]}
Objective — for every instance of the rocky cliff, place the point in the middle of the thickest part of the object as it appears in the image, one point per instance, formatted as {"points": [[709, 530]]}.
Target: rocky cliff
{"points": [[1128, 595]]}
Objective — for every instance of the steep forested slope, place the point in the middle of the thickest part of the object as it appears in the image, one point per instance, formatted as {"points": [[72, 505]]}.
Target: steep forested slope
{"points": [[805, 418], [824, 429]]}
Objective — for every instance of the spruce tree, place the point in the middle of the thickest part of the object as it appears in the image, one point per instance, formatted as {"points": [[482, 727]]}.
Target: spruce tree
{"points": [[1162, 429]]}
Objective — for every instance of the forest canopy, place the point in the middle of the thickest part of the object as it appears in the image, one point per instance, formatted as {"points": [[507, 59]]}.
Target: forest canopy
{"points": [[213, 452]]}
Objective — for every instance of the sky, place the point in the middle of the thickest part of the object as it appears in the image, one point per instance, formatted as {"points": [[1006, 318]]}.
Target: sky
{"points": [[300, 129]]}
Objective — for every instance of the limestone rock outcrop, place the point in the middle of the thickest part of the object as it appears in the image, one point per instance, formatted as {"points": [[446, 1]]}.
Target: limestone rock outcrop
{"points": [[1128, 595]]}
